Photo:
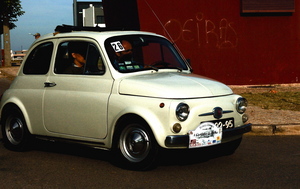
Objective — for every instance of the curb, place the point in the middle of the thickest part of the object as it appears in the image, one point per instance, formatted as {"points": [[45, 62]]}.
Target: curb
{"points": [[279, 129]]}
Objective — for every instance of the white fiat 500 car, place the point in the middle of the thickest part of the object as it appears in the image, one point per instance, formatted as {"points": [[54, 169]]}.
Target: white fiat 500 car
{"points": [[130, 92]]}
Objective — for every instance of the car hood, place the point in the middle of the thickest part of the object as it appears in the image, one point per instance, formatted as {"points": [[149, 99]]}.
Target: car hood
{"points": [[172, 85]]}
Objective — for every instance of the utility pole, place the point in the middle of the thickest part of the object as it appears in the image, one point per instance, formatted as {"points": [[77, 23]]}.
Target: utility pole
{"points": [[75, 12], [9, 10], [6, 43]]}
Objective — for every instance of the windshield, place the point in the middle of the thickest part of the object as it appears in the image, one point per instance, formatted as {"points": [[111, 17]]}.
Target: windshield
{"points": [[141, 52]]}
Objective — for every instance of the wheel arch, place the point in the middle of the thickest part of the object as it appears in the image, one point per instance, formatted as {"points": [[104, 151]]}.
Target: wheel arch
{"points": [[153, 121], [22, 110], [128, 118]]}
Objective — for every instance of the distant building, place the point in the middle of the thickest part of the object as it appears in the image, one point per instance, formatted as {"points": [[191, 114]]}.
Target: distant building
{"points": [[93, 16], [88, 13]]}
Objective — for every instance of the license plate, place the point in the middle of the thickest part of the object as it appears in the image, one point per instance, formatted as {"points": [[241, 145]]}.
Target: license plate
{"points": [[206, 134], [224, 123]]}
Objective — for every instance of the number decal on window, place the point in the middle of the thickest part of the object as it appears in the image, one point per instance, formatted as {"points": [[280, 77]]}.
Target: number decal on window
{"points": [[117, 46]]}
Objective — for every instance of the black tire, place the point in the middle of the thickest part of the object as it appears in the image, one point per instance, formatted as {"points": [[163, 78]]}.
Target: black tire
{"points": [[15, 134], [135, 147]]}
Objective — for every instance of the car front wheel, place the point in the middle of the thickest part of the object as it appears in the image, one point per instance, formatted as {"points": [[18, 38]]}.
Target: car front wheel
{"points": [[135, 147], [14, 130]]}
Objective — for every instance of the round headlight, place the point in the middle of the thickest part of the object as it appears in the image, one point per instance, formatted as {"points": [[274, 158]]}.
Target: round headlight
{"points": [[241, 105], [182, 111]]}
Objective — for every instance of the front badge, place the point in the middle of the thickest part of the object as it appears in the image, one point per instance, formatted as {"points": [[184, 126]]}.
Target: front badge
{"points": [[206, 134], [218, 112]]}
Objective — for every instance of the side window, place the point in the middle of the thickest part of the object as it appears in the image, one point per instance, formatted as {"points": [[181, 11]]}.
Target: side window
{"points": [[94, 62], [38, 61], [78, 57]]}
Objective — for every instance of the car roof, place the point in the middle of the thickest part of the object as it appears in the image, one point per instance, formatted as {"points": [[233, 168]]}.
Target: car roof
{"points": [[94, 34]]}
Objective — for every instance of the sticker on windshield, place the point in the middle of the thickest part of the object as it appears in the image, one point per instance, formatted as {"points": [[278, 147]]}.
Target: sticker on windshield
{"points": [[205, 134], [117, 46]]}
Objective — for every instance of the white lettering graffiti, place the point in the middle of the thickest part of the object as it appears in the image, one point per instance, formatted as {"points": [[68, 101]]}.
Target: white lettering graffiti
{"points": [[203, 31]]}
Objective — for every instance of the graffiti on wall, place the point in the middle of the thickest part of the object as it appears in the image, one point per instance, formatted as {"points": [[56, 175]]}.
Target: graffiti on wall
{"points": [[203, 31]]}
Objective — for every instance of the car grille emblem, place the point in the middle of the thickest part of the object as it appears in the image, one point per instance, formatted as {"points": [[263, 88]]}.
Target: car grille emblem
{"points": [[218, 112]]}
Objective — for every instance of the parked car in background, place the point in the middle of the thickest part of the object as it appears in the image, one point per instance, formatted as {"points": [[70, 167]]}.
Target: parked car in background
{"points": [[129, 92], [17, 57]]}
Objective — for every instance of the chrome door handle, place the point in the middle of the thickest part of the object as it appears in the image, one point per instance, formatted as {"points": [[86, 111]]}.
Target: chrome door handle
{"points": [[49, 84]]}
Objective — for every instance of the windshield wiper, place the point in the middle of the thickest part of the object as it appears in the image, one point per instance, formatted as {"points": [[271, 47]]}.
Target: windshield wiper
{"points": [[153, 67], [179, 69]]}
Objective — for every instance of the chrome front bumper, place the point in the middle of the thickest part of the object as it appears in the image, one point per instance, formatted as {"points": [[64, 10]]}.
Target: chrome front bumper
{"points": [[183, 140]]}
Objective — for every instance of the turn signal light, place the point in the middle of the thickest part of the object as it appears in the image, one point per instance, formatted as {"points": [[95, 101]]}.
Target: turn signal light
{"points": [[177, 128], [245, 118]]}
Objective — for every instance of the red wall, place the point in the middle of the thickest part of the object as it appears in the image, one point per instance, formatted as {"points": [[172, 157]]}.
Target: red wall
{"points": [[226, 46]]}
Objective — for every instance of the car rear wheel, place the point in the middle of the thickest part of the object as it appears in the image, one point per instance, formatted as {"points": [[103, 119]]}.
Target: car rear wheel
{"points": [[14, 130], [135, 147]]}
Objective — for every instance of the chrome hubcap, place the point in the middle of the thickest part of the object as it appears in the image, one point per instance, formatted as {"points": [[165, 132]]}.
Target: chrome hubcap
{"points": [[14, 130], [134, 144]]}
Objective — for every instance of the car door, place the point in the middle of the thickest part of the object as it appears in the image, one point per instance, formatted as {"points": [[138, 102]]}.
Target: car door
{"points": [[30, 83], [75, 104]]}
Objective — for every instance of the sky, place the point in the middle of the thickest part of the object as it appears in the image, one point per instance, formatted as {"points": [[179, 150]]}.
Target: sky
{"points": [[40, 17]]}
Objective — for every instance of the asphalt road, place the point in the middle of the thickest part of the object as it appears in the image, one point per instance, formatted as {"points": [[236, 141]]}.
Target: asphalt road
{"points": [[260, 162]]}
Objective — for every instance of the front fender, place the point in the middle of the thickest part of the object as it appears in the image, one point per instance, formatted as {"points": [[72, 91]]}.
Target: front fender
{"points": [[156, 117]]}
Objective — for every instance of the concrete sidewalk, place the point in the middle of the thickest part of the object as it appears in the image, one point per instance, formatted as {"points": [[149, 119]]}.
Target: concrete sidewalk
{"points": [[262, 128], [286, 129]]}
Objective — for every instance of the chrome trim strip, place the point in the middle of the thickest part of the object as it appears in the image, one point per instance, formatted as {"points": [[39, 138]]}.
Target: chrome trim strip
{"points": [[211, 113]]}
